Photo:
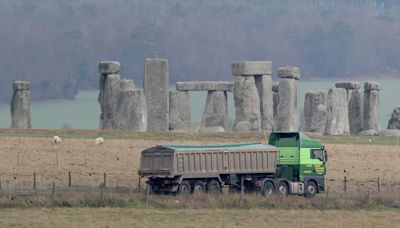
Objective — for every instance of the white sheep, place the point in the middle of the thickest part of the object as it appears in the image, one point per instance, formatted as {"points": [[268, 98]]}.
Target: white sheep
{"points": [[56, 140], [99, 141]]}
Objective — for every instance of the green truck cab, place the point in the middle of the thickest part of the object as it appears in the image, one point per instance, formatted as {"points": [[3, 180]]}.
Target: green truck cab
{"points": [[301, 160]]}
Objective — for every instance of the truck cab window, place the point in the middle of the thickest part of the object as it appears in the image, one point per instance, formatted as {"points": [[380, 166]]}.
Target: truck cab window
{"points": [[317, 154]]}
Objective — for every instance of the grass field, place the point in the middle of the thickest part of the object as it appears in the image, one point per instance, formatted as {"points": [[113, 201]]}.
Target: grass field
{"points": [[25, 152], [122, 217]]}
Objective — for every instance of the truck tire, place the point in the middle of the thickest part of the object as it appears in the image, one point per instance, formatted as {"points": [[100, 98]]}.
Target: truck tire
{"points": [[268, 188], [283, 189], [213, 187], [199, 187], [310, 189], [185, 188]]}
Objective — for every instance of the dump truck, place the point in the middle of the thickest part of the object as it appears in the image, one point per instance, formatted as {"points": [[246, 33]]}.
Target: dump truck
{"points": [[291, 163]]}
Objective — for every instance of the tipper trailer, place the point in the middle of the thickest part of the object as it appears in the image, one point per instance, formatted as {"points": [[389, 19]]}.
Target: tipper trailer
{"points": [[292, 163]]}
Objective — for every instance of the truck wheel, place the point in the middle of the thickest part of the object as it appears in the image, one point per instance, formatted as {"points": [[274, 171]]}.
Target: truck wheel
{"points": [[310, 189], [213, 187], [283, 189], [185, 188], [199, 187], [267, 189]]}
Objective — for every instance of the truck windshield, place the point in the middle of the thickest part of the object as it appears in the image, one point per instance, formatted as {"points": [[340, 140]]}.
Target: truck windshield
{"points": [[317, 154]]}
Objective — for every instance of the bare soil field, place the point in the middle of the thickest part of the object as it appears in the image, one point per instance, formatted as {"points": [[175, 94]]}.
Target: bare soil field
{"points": [[22, 155], [124, 217]]}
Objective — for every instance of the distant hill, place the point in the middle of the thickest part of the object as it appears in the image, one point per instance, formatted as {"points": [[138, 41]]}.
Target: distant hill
{"points": [[57, 44]]}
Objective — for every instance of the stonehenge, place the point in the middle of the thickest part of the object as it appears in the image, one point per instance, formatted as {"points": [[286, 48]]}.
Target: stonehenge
{"points": [[394, 121], [205, 86], [371, 106], [315, 111], [275, 101], [156, 90], [288, 106], [123, 107], [20, 105], [179, 110], [337, 122], [252, 92], [260, 104], [216, 110]]}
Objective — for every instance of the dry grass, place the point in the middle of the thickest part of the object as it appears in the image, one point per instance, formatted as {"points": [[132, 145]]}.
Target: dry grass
{"points": [[122, 217], [120, 160]]}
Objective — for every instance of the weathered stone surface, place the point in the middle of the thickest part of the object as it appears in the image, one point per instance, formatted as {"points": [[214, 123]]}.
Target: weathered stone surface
{"points": [[212, 129], [264, 87], [131, 113], [156, 89], [348, 85], [109, 67], [205, 86], [275, 86], [355, 112], [289, 72], [21, 85], [288, 107], [251, 68], [179, 110], [390, 132], [216, 110], [247, 104], [371, 119], [20, 106], [314, 111], [337, 122], [126, 84], [109, 100], [394, 121], [368, 86], [368, 133]]}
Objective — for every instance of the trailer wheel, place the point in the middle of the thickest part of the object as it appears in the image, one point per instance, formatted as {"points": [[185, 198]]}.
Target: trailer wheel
{"points": [[199, 187], [214, 187], [310, 189], [283, 189], [185, 188], [268, 188]]}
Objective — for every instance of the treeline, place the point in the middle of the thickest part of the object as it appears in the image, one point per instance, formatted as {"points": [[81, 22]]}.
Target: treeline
{"points": [[57, 44]]}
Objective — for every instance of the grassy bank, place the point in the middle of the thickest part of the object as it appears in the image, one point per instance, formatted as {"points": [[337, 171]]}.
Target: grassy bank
{"points": [[198, 136]]}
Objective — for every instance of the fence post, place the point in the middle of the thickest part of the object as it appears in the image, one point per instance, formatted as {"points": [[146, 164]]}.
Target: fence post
{"points": [[241, 192], [379, 185], [102, 192], [0, 183], [327, 192], [34, 180], [57, 158], [69, 179], [345, 184], [53, 192], [18, 158], [105, 180], [147, 194]]}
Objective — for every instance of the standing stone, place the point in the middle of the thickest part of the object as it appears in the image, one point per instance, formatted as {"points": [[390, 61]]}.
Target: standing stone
{"points": [[371, 106], [20, 105], [355, 112], [288, 107], [131, 114], [247, 104], [264, 87], [179, 110], [314, 111], [337, 122], [110, 96], [275, 100], [156, 89], [216, 110], [126, 84], [394, 122]]}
